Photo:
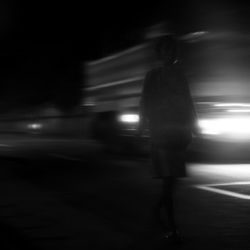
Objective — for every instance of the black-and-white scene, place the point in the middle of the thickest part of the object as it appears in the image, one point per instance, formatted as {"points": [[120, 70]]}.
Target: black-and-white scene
{"points": [[125, 125]]}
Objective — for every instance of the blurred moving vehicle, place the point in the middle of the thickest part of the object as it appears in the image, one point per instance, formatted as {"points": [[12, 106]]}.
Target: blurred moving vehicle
{"points": [[113, 91], [216, 65]]}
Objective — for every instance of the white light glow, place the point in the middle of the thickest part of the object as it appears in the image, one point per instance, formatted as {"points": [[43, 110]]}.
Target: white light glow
{"points": [[215, 189], [35, 126], [229, 126], [239, 110], [232, 105], [129, 118], [215, 173]]}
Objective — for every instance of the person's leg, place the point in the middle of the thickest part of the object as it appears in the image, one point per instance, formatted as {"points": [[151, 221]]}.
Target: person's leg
{"points": [[167, 201]]}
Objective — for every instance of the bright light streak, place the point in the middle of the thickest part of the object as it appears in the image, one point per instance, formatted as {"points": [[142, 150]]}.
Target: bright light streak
{"points": [[239, 110], [222, 175], [129, 118], [35, 126], [213, 188], [232, 105], [215, 173], [209, 127], [229, 126]]}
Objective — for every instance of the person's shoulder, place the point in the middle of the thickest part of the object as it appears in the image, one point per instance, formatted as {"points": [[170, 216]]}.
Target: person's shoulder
{"points": [[154, 71], [151, 78]]}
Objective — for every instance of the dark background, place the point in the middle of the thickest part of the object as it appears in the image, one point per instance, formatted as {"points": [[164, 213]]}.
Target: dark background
{"points": [[43, 44]]}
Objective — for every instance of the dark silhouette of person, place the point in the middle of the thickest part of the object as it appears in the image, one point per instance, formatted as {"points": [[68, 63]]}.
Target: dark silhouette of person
{"points": [[167, 110]]}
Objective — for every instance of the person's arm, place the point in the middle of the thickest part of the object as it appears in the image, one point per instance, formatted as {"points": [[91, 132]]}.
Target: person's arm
{"points": [[193, 113], [142, 105], [143, 122], [195, 128]]}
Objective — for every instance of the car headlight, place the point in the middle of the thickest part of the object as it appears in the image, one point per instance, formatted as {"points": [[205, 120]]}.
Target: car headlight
{"points": [[239, 126], [129, 118], [34, 126]]}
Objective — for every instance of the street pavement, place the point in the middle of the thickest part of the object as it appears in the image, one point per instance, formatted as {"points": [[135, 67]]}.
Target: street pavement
{"points": [[71, 194]]}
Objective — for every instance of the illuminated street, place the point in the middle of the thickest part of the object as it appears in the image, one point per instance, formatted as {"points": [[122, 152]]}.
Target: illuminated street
{"points": [[57, 194]]}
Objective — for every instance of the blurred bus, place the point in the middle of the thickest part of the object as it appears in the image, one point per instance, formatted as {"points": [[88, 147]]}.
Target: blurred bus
{"points": [[217, 67]]}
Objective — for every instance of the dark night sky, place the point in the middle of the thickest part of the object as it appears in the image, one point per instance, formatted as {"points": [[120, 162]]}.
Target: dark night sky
{"points": [[43, 44]]}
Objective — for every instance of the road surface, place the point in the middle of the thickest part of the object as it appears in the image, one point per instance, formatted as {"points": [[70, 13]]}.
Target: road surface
{"points": [[72, 194]]}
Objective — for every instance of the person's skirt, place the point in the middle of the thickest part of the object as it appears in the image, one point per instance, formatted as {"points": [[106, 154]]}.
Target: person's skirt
{"points": [[168, 152]]}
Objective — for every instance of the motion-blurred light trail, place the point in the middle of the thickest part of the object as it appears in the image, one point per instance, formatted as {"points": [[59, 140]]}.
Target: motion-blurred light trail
{"points": [[129, 118], [232, 105], [236, 126], [215, 188], [5, 145], [238, 110], [221, 172]]}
